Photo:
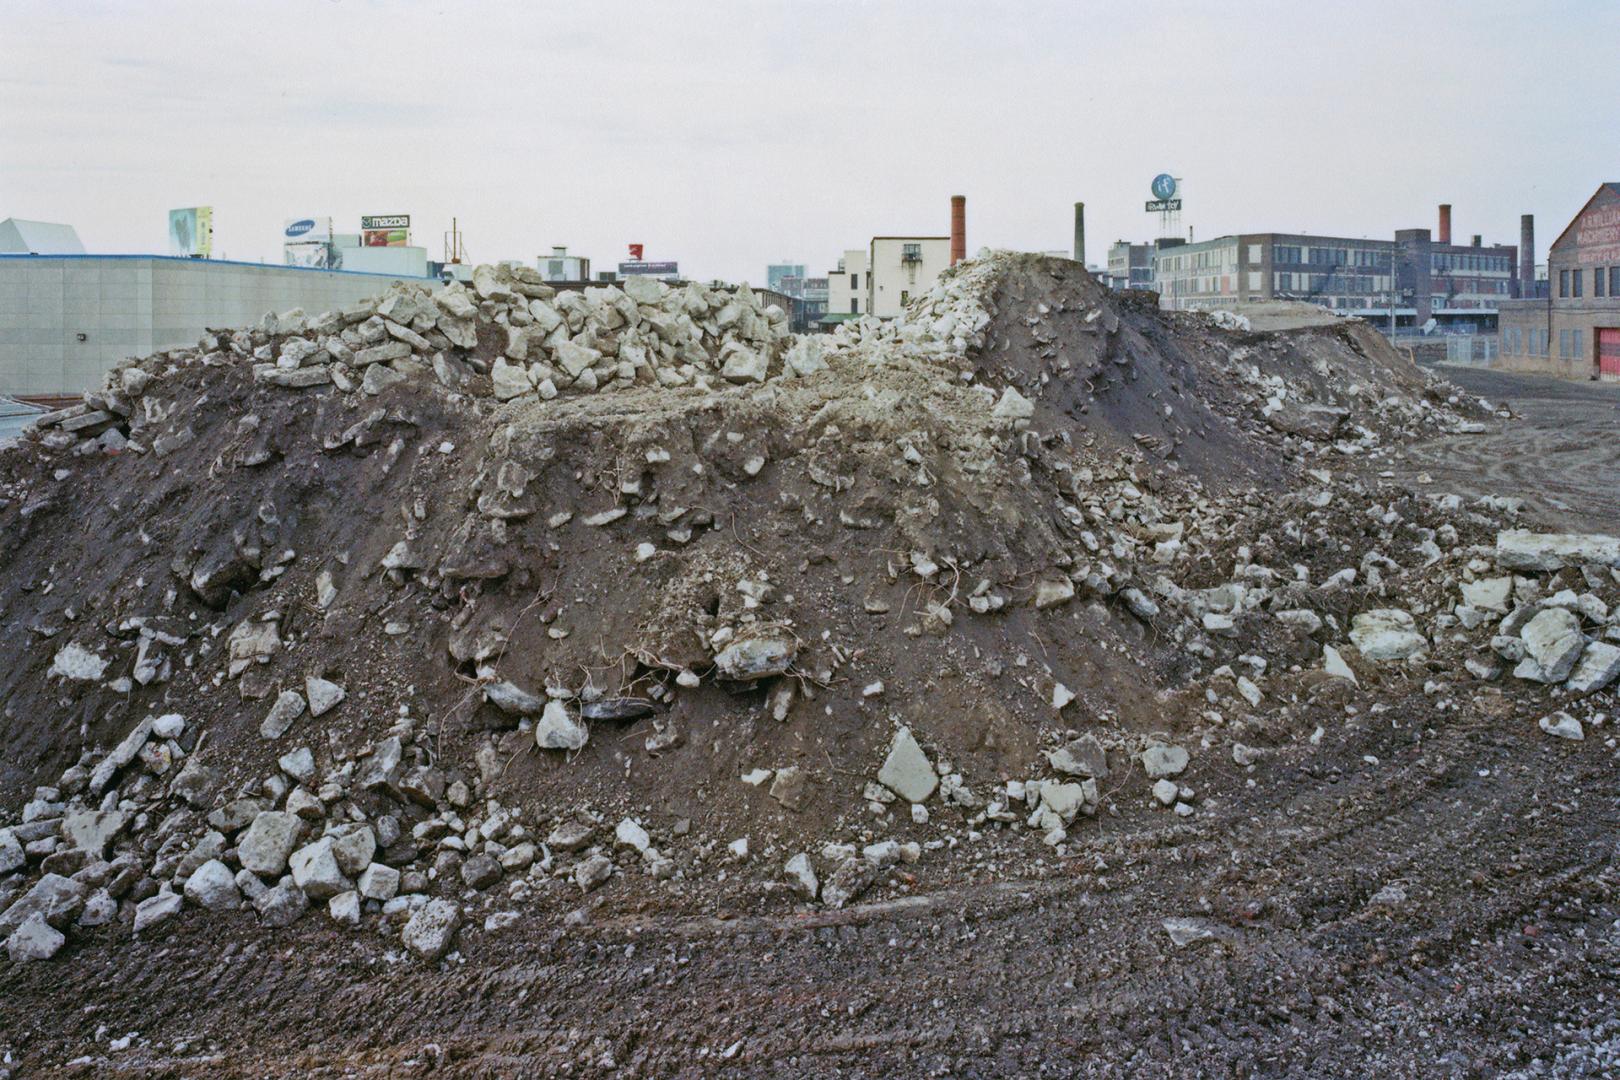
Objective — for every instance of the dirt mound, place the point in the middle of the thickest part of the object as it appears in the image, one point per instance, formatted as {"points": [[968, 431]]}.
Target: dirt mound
{"points": [[455, 594]]}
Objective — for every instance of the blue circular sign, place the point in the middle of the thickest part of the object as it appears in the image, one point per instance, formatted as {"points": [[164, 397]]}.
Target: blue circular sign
{"points": [[1164, 186]]}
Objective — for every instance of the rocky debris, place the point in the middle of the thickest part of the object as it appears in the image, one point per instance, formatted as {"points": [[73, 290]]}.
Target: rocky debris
{"points": [[651, 512]]}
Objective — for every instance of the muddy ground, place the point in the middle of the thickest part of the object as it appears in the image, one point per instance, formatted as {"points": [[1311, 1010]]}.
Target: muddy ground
{"points": [[1414, 895]]}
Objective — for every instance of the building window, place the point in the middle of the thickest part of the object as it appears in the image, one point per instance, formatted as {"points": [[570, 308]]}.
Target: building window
{"points": [[1577, 347], [1575, 282], [854, 306], [1563, 344], [911, 253], [1614, 281], [1563, 283], [1597, 281], [854, 281]]}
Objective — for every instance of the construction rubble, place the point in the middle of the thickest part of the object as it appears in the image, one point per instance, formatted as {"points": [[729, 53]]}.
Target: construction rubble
{"points": [[463, 608]]}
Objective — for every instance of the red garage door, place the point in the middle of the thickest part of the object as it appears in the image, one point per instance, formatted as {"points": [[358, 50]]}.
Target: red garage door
{"points": [[1608, 343]]}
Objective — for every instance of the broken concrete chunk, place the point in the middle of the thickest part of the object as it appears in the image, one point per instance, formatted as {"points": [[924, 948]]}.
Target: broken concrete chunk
{"points": [[907, 771], [756, 657], [558, 730]]}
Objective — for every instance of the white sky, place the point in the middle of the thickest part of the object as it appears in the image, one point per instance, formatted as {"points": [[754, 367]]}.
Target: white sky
{"points": [[728, 135]]}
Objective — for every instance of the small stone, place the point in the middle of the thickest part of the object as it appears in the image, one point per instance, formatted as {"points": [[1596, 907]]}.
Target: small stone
{"points": [[801, 877], [790, 787], [906, 771], [281, 905], [480, 872], [289, 706], [1050, 592], [429, 932], [299, 764], [268, 842], [315, 870], [156, 910], [1161, 760], [852, 878], [213, 886], [558, 730], [378, 882], [1084, 756], [35, 939], [345, 908], [324, 696], [1166, 792], [593, 872], [1184, 932], [1562, 725]]}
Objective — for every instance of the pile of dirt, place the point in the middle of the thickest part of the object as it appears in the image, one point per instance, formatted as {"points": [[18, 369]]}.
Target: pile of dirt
{"points": [[493, 618]]}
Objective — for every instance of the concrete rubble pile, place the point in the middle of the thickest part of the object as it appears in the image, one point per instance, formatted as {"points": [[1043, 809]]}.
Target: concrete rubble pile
{"points": [[420, 627]]}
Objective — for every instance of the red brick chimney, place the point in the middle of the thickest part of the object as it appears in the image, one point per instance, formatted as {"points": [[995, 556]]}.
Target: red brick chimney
{"points": [[958, 228], [1445, 224]]}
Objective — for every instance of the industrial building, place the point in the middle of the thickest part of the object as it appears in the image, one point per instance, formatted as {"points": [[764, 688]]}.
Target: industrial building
{"points": [[1574, 329], [561, 266], [67, 319], [1459, 286], [776, 275], [1130, 266], [901, 267], [846, 288]]}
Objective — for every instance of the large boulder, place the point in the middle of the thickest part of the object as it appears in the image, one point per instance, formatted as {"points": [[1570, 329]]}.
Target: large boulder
{"points": [[1554, 641], [1521, 549]]}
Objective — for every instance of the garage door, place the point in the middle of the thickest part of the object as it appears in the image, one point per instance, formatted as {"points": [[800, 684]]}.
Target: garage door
{"points": [[1608, 343]]}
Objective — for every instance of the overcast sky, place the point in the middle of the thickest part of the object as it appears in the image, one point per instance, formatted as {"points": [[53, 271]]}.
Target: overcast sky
{"points": [[728, 135]]}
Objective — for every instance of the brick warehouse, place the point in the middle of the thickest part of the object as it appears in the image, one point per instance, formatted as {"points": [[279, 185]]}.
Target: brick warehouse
{"points": [[1574, 330]]}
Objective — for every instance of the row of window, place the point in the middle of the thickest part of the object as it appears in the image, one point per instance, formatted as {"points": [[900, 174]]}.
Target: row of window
{"points": [[1571, 343], [1324, 256], [1491, 264], [1605, 282]]}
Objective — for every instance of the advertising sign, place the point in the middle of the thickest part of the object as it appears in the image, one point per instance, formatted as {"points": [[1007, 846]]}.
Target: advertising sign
{"points": [[191, 232], [385, 237], [636, 252], [317, 256], [1163, 205], [1164, 187], [309, 230], [654, 269], [371, 222]]}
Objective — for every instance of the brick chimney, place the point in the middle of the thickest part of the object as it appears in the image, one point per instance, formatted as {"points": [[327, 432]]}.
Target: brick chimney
{"points": [[1527, 255], [1445, 224], [958, 228]]}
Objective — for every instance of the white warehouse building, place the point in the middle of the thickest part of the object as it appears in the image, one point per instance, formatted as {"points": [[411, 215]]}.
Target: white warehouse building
{"points": [[67, 319]]}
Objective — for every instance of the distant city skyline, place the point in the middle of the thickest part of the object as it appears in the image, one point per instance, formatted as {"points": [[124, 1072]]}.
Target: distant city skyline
{"points": [[731, 135]]}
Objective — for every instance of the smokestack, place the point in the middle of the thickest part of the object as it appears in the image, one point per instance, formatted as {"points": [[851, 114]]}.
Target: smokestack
{"points": [[1445, 224], [1080, 233], [1527, 255], [958, 228]]}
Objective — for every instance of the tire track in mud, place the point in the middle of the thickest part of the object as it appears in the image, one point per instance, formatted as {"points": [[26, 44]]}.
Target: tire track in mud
{"points": [[1561, 453]]}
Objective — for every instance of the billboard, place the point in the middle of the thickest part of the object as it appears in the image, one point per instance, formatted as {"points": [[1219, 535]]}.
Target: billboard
{"points": [[191, 232], [317, 256], [370, 222], [309, 230], [385, 237], [653, 269]]}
